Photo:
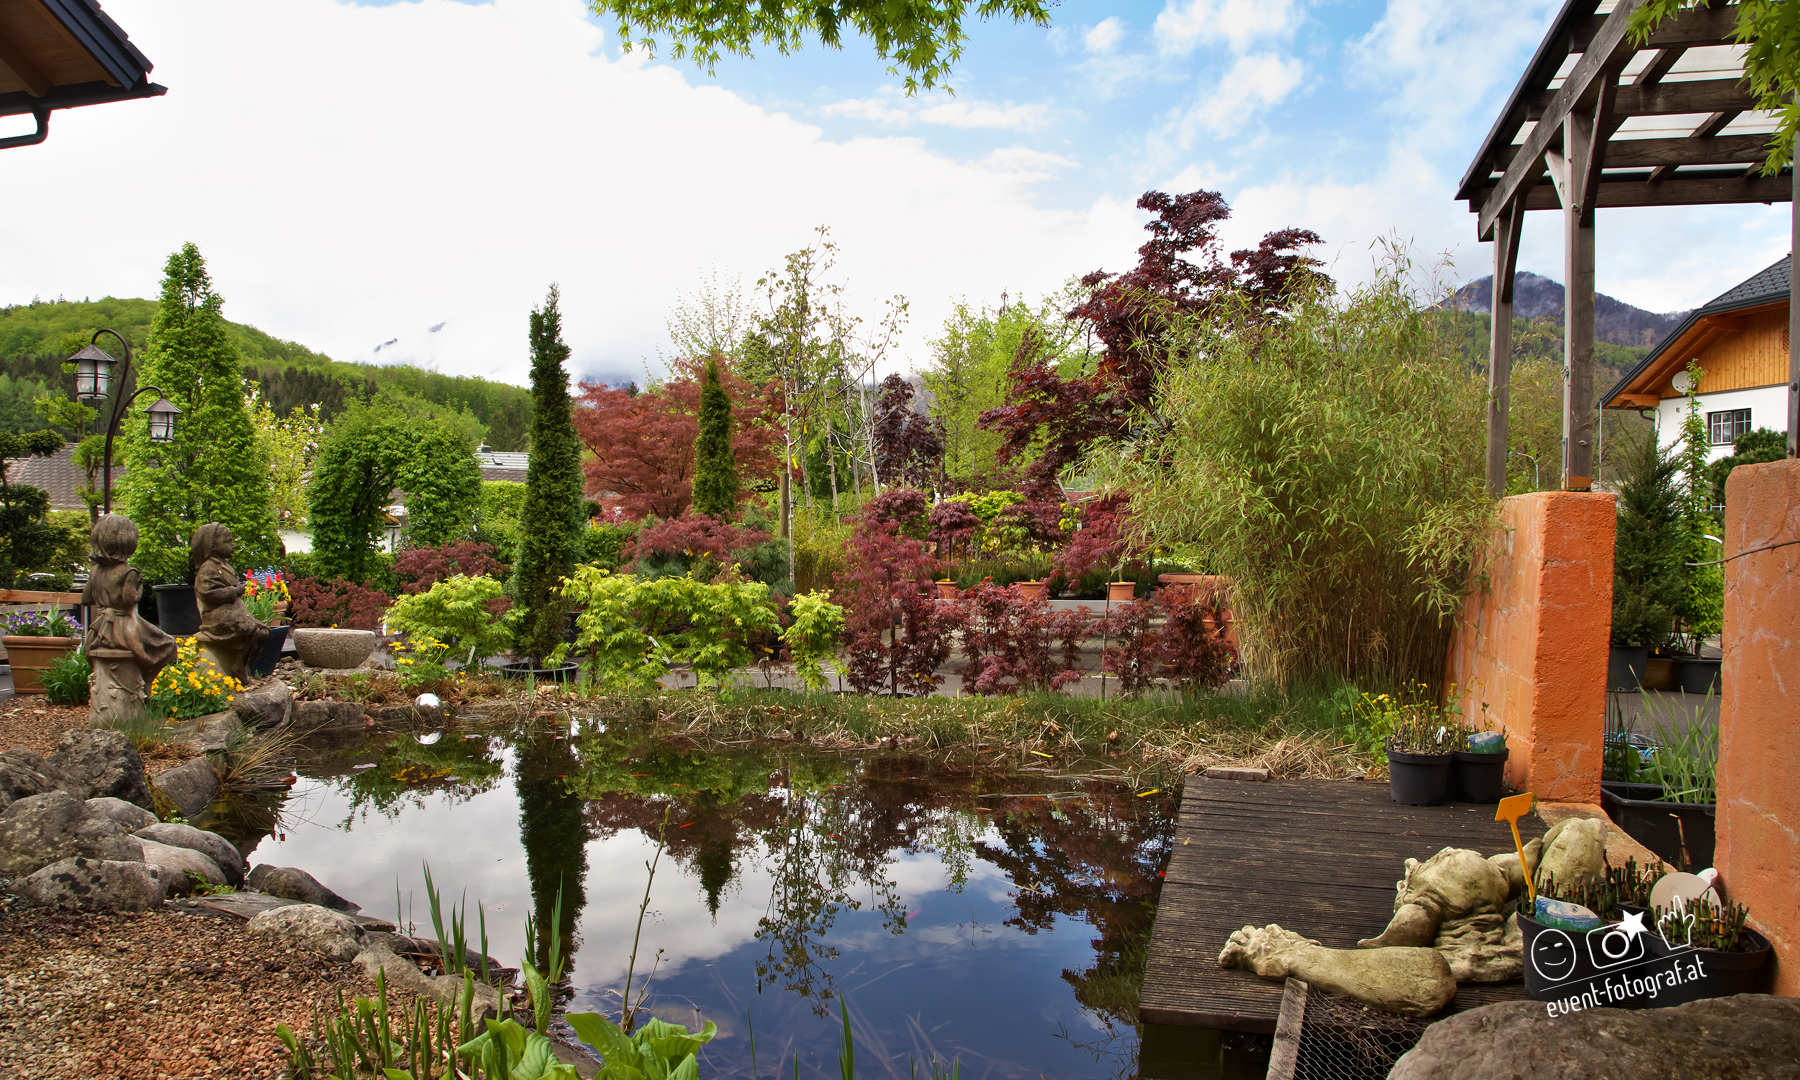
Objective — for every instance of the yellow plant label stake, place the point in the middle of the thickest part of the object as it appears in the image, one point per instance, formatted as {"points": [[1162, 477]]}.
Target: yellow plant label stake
{"points": [[1510, 810]]}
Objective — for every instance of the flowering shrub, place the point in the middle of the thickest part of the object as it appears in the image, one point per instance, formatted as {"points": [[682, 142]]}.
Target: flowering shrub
{"points": [[418, 569], [191, 685], [420, 662], [263, 589], [46, 623], [459, 612], [336, 603]]}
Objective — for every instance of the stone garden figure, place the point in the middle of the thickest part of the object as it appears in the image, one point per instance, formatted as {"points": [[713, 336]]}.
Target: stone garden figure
{"points": [[125, 651], [229, 635]]}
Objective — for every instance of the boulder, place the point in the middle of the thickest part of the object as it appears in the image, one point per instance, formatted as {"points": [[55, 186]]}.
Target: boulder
{"points": [[42, 829], [191, 787], [106, 762], [292, 884], [174, 864], [313, 928], [24, 774], [95, 885], [264, 706], [210, 844], [1742, 1036], [213, 733], [324, 716], [130, 815]]}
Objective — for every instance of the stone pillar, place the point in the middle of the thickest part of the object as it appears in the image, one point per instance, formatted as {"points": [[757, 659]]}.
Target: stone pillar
{"points": [[1530, 646], [1758, 851]]}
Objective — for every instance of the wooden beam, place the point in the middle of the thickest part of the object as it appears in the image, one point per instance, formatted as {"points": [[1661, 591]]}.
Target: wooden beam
{"points": [[13, 59], [1677, 190], [1725, 322], [1666, 99], [1686, 29], [1506, 261], [1634, 401], [1659, 66], [1604, 123], [32, 596], [1668, 153], [1715, 123], [1578, 302], [1609, 50]]}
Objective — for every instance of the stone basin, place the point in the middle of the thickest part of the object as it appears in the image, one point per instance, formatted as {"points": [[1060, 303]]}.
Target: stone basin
{"points": [[320, 647]]}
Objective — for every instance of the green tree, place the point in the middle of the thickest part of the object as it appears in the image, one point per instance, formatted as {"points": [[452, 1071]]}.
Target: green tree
{"points": [[1750, 448], [1702, 609], [1648, 586], [215, 469], [550, 522], [293, 443], [27, 541], [921, 40], [715, 472]]}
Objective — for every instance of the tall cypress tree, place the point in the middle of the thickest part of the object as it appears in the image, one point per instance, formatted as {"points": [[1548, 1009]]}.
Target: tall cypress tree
{"points": [[550, 523], [715, 473], [216, 469]]}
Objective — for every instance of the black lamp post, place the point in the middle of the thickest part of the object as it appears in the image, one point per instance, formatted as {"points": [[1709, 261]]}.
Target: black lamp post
{"points": [[93, 381]]}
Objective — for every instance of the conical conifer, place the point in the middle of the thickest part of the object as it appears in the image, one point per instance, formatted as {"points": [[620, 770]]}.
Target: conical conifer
{"points": [[715, 472], [550, 522]]}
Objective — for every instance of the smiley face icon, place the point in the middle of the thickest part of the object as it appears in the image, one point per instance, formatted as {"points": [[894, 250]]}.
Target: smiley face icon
{"points": [[1553, 954]]}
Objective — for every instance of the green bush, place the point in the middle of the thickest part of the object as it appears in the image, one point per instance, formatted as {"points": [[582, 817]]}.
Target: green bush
{"points": [[1648, 587], [462, 612], [603, 545], [65, 681]]}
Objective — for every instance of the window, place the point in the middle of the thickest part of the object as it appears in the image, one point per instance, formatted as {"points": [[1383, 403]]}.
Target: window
{"points": [[1723, 428]]}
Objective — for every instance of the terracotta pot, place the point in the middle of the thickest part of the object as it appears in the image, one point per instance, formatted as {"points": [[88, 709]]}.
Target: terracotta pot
{"points": [[1033, 590], [31, 656], [947, 589], [1121, 592]]}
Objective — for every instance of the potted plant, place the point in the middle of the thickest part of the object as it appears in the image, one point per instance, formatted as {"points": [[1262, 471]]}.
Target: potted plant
{"points": [[35, 641], [1419, 743], [1034, 589], [947, 590], [265, 597], [1647, 557], [1478, 766], [177, 612], [1667, 798]]}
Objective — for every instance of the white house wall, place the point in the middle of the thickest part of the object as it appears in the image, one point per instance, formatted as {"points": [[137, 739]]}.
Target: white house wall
{"points": [[1767, 405]]}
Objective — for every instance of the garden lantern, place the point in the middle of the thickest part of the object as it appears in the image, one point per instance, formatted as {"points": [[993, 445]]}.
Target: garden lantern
{"points": [[162, 421], [93, 373]]}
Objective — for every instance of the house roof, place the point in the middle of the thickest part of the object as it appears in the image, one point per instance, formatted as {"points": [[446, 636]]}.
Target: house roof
{"points": [[1768, 288], [59, 54], [502, 464], [58, 475]]}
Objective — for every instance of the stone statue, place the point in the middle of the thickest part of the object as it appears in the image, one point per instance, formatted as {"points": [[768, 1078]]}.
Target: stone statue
{"points": [[1447, 908], [229, 635], [125, 651]]}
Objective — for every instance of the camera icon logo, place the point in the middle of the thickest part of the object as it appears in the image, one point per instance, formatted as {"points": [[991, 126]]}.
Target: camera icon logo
{"points": [[1613, 946]]}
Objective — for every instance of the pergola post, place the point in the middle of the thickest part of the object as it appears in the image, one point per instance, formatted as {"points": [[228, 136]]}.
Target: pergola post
{"points": [[1506, 261], [1573, 172]]}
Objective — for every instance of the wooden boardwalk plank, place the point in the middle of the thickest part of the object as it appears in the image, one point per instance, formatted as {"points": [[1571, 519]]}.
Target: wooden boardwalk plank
{"points": [[1319, 857]]}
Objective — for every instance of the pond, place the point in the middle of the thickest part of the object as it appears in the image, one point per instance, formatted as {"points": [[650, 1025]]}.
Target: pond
{"points": [[999, 919]]}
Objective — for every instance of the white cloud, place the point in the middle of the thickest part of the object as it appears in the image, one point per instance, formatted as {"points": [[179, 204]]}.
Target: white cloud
{"points": [[1026, 164], [903, 112], [1181, 27], [1253, 84], [368, 172], [1105, 36]]}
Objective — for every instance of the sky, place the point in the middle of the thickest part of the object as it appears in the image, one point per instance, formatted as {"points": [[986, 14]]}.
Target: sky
{"points": [[412, 176]]}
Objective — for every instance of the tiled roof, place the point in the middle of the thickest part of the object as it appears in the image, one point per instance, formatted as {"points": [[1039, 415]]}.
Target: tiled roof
{"points": [[1763, 287], [498, 473], [58, 475], [502, 459]]}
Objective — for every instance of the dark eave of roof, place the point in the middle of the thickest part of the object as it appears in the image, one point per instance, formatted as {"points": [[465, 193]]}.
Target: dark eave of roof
{"points": [[69, 97], [1767, 286], [127, 69], [1551, 52]]}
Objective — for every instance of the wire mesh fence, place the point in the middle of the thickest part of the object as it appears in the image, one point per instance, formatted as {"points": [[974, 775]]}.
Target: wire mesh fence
{"points": [[1322, 1036]]}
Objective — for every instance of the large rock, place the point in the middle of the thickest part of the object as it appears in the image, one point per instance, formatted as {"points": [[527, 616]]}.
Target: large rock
{"points": [[95, 885], [42, 829], [106, 762], [24, 773], [313, 928], [213, 733], [398, 971], [129, 815], [326, 716], [264, 706], [292, 884], [191, 787], [174, 864], [1750, 1035], [210, 844]]}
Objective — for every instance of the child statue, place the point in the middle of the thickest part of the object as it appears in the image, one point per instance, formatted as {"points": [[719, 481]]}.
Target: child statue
{"points": [[125, 651], [229, 635]]}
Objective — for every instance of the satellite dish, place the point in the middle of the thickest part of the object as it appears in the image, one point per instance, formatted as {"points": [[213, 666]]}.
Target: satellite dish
{"points": [[1681, 382]]}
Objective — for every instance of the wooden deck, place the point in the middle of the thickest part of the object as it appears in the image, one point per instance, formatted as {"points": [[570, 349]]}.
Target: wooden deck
{"points": [[1319, 857]]}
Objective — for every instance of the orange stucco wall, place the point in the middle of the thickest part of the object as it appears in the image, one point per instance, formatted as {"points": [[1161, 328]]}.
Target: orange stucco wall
{"points": [[1758, 853], [1530, 647]]}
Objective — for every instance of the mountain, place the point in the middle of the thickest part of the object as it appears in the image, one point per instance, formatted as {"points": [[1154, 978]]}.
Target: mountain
{"points": [[1537, 297]]}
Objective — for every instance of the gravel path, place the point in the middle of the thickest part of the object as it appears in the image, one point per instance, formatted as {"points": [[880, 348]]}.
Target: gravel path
{"points": [[157, 996]]}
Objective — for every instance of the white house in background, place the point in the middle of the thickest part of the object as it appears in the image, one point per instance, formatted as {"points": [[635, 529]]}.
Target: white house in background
{"points": [[1740, 339]]}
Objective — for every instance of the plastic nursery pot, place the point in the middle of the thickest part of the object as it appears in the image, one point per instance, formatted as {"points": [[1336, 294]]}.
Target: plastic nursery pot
{"points": [[1418, 779], [176, 610], [30, 657], [1477, 778], [1697, 674], [561, 673], [1662, 826], [1120, 592], [1609, 968], [265, 661], [1721, 974], [1625, 668]]}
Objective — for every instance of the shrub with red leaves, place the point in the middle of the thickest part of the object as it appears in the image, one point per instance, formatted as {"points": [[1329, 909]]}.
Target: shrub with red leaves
{"points": [[339, 603], [695, 541], [952, 527], [884, 579], [418, 569], [1015, 643], [1192, 645], [909, 445], [902, 508], [1132, 649], [1099, 540]]}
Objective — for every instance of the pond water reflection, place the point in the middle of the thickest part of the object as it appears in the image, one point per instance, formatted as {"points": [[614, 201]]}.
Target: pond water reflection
{"points": [[997, 918]]}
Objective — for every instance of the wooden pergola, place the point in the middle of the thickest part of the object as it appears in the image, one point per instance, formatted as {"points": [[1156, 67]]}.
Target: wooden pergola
{"points": [[1609, 123], [60, 54]]}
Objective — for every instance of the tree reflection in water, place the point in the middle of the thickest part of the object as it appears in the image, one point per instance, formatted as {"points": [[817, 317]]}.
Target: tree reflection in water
{"points": [[554, 833]]}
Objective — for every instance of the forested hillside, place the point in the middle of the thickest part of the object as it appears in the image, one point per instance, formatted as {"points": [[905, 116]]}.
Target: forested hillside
{"points": [[1538, 297], [1535, 339], [36, 337]]}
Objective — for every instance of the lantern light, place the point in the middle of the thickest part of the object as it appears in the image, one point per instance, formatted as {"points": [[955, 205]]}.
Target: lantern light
{"points": [[93, 373], [162, 421]]}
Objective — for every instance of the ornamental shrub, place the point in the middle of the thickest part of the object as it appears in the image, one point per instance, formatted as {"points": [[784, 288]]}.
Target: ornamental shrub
{"points": [[190, 685], [605, 544], [27, 539], [1014, 643], [812, 636], [715, 466], [550, 521], [1648, 588], [418, 569], [461, 612], [633, 631], [1191, 647], [338, 603]]}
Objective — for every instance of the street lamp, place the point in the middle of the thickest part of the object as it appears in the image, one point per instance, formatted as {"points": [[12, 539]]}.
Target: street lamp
{"points": [[93, 382]]}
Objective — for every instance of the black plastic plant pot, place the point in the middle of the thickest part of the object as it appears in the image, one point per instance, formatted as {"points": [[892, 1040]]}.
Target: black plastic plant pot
{"points": [[1698, 675], [1418, 779], [1477, 778], [176, 611], [265, 661], [1662, 826], [1576, 970], [1625, 668], [1720, 974], [562, 673]]}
